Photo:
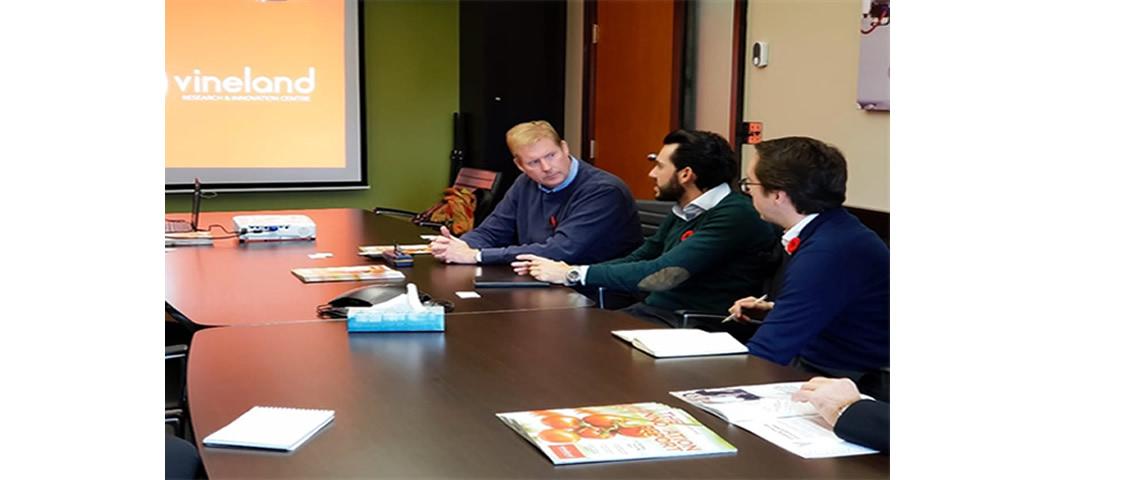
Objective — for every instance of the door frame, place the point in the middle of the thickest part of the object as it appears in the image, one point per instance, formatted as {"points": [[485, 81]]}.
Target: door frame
{"points": [[589, 60], [739, 45]]}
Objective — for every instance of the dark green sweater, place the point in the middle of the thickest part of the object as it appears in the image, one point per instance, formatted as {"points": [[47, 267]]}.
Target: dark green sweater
{"points": [[707, 270]]}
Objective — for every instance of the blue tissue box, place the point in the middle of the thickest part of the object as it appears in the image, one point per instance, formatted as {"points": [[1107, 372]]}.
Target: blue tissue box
{"points": [[363, 320]]}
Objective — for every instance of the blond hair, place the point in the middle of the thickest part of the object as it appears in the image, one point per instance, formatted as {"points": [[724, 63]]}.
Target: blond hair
{"points": [[529, 133]]}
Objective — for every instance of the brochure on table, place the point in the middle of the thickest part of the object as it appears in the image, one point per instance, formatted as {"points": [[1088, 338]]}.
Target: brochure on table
{"points": [[769, 412]]}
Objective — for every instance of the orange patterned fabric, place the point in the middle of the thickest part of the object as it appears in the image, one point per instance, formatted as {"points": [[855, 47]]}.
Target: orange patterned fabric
{"points": [[456, 208]]}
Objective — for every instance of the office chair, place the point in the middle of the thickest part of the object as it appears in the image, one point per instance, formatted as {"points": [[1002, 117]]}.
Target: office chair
{"points": [[179, 329], [485, 183], [177, 412], [652, 213], [878, 222], [182, 460], [771, 262]]}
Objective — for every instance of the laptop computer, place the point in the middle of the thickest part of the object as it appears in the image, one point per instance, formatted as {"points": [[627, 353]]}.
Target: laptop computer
{"points": [[181, 226]]}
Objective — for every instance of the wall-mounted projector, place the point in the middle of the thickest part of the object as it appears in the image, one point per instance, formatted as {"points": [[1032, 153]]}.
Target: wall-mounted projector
{"points": [[274, 228]]}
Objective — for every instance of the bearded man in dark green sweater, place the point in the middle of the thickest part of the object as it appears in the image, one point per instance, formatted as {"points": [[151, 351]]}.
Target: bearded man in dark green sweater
{"points": [[704, 255]]}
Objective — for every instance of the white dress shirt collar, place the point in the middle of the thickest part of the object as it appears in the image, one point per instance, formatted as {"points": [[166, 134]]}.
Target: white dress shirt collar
{"points": [[794, 232], [711, 198]]}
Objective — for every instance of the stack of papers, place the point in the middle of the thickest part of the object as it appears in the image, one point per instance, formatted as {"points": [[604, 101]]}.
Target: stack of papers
{"points": [[376, 251], [681, 342], [341, 274], [769, 412], [271, 428], [189, 238]]}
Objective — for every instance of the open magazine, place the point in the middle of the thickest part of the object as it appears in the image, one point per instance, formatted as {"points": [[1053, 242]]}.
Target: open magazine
{"points": [[769, 412], [615, 432]]}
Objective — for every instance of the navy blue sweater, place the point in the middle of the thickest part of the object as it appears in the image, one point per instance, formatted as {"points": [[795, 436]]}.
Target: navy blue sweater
{"points": [[592, 220], [833, 307]]}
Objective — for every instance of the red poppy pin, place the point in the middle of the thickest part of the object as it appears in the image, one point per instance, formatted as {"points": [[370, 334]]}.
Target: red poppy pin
{"points": [[686, 235], [793, 244], [553, 222]]}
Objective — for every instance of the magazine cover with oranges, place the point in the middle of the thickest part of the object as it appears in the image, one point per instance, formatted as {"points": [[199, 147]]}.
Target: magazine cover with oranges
{"points": [[615, 432]]}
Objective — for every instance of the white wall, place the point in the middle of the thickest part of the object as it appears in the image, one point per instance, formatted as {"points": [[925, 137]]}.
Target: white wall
{"points": [[809, 86], [713, 72]]}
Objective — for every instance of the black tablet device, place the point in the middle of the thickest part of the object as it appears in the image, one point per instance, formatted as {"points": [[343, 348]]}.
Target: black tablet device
{"points": [[507, 279]]}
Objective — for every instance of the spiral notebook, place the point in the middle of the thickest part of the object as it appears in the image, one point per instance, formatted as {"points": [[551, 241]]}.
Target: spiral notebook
{"points": [[271, 428]]}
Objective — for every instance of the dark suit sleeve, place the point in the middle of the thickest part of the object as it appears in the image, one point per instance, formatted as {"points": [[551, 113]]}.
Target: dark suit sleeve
{"points": [[867, 423]]}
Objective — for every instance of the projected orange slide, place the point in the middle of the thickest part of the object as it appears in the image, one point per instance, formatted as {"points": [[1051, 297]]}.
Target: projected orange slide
{"points": [[255, 84]]}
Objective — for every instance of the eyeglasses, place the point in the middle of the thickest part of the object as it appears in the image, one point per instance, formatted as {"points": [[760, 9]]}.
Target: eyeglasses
{"points": [[744, 183]]}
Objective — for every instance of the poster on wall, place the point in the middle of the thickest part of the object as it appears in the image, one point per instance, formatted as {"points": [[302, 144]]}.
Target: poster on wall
{"points": [[874, 89]]}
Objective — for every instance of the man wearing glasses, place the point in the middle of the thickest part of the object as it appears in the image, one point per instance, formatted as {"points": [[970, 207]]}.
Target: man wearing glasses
{"points": [[703, 256], [830, 309]]}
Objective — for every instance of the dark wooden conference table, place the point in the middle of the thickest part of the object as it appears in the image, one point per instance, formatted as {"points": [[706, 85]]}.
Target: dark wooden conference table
{"points": [[232, 283], [422, 405]]}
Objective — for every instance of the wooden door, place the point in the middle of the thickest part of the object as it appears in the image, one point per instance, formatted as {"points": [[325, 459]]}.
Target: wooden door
{"points": [[636, 88]]}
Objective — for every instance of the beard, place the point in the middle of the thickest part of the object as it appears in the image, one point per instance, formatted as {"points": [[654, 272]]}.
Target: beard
{"points": [[671, 192]]}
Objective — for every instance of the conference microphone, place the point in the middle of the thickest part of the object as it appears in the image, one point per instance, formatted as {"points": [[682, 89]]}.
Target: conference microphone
{"points": [[196, 205]]}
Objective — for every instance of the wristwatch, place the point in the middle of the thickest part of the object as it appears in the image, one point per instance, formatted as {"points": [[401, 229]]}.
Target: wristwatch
{"points": [[574, 276]]}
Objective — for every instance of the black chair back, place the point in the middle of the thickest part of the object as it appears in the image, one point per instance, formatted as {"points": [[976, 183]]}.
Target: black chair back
{"points": [[652, 213], [177, 411]]}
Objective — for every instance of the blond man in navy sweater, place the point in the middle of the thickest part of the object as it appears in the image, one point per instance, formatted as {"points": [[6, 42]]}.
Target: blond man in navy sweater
{"points": [[560, 208]]}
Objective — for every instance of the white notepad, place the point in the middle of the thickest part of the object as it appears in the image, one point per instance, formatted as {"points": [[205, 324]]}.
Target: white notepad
{"points": [[273, 428], [681, 342]]}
